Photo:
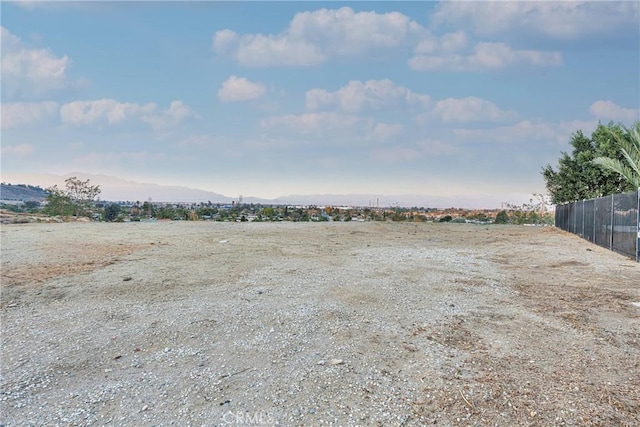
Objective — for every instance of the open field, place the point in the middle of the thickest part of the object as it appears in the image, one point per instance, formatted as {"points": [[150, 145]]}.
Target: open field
{"points": [[390, 324]]}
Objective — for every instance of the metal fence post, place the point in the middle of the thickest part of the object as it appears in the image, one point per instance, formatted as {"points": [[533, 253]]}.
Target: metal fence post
{"points": [[638, 226], [611, 222], [593, 239], [576, 227], [583, 235]]}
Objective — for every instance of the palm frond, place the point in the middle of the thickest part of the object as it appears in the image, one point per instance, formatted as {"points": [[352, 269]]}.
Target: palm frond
{"points": [[616, 165], [629, 146]]}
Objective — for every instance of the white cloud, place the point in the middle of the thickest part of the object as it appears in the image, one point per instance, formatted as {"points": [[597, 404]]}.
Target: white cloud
{"points": [[114, 112], [224, 41], [16, 114], [394, 154], [170, 117], [423, 148], [450, 42], [240, 89], [358, 96], [384, 131], [436, 147], [346, 32], [470, 109], [314, 37], [557, 19], [258, 50], [314, 123], [201, 140], [89, 112], [10, 42], [22, 150], [30, 72], [317, 99], [526, 130], [515, 133], [566, 129], [331, 126], [607, 110], [485, 56]]}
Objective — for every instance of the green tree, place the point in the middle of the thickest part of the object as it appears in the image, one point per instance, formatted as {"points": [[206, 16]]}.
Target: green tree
{"points": [[181, 213], [398, 215], [206, 212], [58, 203], [147, 209], [166, 212], [111, 212], [502, 217], [628, 142], [268, 212], [577, 176], [75, 199], [31, 205]]}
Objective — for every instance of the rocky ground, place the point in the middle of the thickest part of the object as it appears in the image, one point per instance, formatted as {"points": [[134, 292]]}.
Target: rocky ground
{"points": [[345, 324]]}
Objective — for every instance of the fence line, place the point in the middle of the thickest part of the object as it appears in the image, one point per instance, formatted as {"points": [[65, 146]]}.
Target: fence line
{"points": [[612, 221]]}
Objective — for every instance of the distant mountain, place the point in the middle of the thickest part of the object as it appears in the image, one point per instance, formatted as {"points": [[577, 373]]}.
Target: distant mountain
{"points": [[116, 189], [22, 192]]}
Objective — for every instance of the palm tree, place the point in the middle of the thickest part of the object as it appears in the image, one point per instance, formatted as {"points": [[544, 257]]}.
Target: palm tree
{"points": [[629, 146]]}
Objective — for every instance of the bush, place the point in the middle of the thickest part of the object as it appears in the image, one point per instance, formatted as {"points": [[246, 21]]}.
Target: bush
{"points": [[502, 218], [111, 212]]}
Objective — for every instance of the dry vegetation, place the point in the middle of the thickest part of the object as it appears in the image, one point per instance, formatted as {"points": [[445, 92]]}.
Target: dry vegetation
{"points": [[316, 324]]}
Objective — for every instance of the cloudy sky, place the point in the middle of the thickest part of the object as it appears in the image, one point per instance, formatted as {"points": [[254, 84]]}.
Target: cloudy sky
{"points": [[274, 98]]}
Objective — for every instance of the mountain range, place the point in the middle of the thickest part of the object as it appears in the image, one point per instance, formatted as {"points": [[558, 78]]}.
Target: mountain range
{"points": [[117, 189]]}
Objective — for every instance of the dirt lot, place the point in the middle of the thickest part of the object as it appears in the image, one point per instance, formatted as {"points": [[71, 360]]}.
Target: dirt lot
{"points": [[390, 324]]}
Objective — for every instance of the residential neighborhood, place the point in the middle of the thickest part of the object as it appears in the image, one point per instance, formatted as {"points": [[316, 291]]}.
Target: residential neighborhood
{"points": [[133, 211]]}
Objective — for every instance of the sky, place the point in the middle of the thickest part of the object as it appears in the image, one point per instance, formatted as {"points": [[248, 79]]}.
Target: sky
{"points": [[269, 98]]}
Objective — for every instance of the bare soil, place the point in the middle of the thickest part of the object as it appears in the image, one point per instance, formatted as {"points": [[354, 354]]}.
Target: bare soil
{"points": [[351, 324]]}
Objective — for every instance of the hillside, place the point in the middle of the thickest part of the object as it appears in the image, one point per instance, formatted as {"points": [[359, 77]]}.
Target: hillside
{"points": [[22, 192], [115, 189]]}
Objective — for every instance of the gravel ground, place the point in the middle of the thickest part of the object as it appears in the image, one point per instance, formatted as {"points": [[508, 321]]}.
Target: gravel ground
{"points": [[344, 324]]}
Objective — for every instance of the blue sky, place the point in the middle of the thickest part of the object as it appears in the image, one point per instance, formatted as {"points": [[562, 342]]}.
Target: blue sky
{"points": [[275, 98]]}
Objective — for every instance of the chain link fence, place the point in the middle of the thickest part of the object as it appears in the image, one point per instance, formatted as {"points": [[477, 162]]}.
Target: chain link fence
{"points": [[612, 222]]}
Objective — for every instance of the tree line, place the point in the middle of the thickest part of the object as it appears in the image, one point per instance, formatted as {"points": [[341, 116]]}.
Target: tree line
{"points": [[606, 162], [78, 198]]}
